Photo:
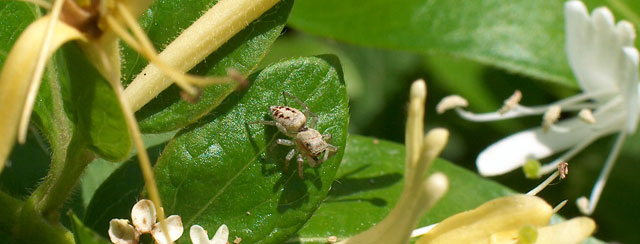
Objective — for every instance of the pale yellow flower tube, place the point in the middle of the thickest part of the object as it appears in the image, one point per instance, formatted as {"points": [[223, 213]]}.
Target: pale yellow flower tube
{"points": [[17, 75], [207, 34]]}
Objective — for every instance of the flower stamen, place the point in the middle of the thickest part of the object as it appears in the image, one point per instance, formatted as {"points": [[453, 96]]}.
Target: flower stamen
{"points": [[511, 103]]}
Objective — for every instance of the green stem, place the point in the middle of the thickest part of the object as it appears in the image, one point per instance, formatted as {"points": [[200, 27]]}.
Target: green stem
{"points": [[53, 192], [9, 211], [33, 228]]}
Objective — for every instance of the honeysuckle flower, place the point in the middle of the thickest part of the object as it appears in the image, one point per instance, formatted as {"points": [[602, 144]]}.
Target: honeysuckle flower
{"points": [[143, 216], [511, 219], [418, 195], [199, 235], [605, 63]]}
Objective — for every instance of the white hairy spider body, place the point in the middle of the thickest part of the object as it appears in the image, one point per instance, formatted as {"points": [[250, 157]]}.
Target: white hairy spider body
{"points": [[307, 142]]}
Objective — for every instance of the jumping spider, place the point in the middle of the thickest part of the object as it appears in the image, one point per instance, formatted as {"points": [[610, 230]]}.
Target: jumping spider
{"points": [[307, 142]]}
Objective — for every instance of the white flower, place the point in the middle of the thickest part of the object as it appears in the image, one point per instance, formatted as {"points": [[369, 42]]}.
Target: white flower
{"points": [[199, 235], [143, 216], [605, 63]]}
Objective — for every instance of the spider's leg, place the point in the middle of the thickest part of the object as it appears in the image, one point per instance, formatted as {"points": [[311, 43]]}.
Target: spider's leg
{"points": [[313, 162], [300, 165], [327, 137], [326, 156], [284, 130], [288, 158], [285, 142]]}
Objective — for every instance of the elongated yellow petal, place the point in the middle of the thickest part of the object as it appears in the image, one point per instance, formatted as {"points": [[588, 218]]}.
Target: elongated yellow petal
{"points": [[502, 214], [17, 73]]}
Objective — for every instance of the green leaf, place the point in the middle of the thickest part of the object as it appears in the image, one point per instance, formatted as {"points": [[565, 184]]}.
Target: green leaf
{"points": [[82, 234], [521, 36], [370, 182], [220, 171], [163, 22], [98, 116]]}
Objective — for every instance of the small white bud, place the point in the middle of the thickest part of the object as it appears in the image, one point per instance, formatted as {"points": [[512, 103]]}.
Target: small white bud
{"points": [[511, 102], [550, 117], [586, 116], [451, 102]]}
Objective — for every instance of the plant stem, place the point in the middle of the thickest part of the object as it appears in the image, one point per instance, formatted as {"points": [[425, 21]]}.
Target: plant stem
{"points": [[203, 37], [9, 211], [52, 193]]}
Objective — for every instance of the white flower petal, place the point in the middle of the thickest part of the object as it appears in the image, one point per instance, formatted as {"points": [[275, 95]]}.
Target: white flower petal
{"points": [[513, 151], [174, 225], [629, 75], [594, 47], [198, 235], [626, 33], [121, 232], [143, 215], [221, 236]]}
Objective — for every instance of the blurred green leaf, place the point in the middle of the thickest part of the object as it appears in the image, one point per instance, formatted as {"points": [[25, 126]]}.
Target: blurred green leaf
{"points": [[219, 171], [27, 166], [163, 22], [521, 36], [82, 234]]}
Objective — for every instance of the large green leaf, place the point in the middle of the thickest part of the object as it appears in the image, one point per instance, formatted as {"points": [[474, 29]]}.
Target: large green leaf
{"points": [[370, 182], [220, 171], [163, 22], [522, 36]]}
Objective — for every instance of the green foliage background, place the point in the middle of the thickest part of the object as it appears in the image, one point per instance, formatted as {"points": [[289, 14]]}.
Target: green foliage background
{"points": [[352, 62]]}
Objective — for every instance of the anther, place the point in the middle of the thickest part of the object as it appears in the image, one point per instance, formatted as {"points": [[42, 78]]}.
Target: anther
{"points": [[451, 102], [512, 102], [586, 116], [550, 117]]}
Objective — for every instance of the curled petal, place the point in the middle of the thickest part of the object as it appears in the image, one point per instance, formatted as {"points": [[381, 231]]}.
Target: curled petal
{"points": [[174, 225], [18, 73], [121, 232], [143, 215]]}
